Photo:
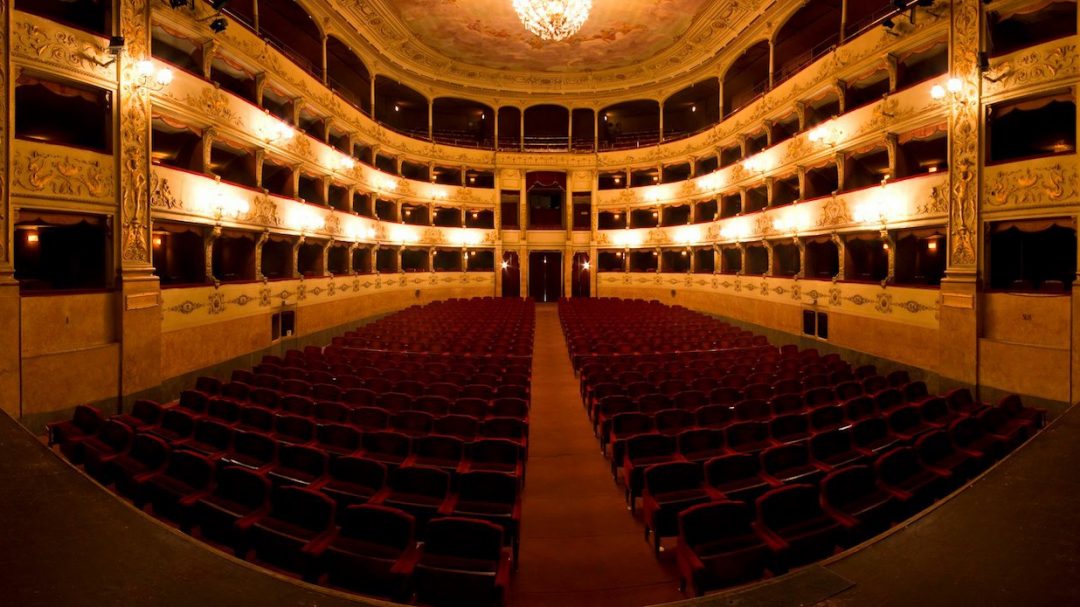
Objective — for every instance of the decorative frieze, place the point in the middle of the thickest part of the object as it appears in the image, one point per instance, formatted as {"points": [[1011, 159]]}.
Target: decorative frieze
{"points": [[1033, 186], [61, 173]]}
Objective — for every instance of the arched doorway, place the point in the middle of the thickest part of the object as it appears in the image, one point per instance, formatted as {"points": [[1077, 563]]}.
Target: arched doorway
{"points": [[582, 272], [545, 275], [511, 275]]}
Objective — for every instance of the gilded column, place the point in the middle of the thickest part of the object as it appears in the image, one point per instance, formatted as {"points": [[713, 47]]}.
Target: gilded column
{"points": [[959, 326], [140, 290]]}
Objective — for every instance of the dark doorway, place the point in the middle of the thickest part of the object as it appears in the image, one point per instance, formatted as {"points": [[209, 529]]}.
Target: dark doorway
{"points": [[579, 286], [511, 275], [545, 276]]}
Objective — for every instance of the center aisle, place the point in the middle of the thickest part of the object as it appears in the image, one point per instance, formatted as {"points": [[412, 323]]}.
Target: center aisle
{"points": [[579, 543]]}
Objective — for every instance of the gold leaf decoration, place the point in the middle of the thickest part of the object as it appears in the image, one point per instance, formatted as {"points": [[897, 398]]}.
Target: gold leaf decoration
{"points": [[62, 176], [1034, 186], [161, 195]]}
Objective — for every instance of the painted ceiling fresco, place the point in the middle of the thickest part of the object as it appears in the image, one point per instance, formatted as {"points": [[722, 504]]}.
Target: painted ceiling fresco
{"points": [[488, 33]]}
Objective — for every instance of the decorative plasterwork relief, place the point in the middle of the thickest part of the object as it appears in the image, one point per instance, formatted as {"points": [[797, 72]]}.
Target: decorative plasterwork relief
{"points": [[38, 173], [964, 134], [161, 195], [333, 224], [214, 103], [658, 236], [433, 236], [936, 204], [1033, 186], [264, 212], [5, 199], [1034, 67], [834, 213], [134, 138], [41, 40]]}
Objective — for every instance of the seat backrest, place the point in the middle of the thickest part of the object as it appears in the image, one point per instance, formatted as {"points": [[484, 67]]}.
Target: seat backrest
{"points": [[386, 442], [431, 482], [339, 435], [438, 445], [466, 538], [359, 470], [192, 469], [782, 457], [645, 445], [302, 507], [844, 486], [830, 442], [149, 450], [897, 465], [782, 507], [494, 450], [727, 468], [699, 439], [300, 457], [707, 523], [242, 486], [673, 476], [116, 435], [380, 525], [255, 444], [146, 410], [492, 487]]}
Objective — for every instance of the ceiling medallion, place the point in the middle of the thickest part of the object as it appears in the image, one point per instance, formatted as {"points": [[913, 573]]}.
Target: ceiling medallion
{"points": [[553, 19]]}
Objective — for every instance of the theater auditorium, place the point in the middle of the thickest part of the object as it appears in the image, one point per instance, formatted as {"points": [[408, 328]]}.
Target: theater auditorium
{"points": [[530, 303]]}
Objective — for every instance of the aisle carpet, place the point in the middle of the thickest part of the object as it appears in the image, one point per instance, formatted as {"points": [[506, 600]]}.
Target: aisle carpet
{"points": [[579, 543]]}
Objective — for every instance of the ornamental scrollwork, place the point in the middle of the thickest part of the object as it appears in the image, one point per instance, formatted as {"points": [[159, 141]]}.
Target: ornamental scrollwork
{"points": [[834, 213], [264, 212], [1038, 66], [41, 173], [161, 195], [60, 48], [938, 202], [1033, 186]]}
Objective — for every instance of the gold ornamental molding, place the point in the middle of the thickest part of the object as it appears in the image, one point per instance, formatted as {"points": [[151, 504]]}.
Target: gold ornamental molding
{"points": [[1033, 186], [1044, 64], [964, 134], [6, 256], [38, 40], [834, 213], [161, 195], [264, 212], [134, 138], [40, 170]]}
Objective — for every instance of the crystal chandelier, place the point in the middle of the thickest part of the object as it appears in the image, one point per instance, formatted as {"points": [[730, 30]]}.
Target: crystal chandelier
{"points": [[553, 19]]}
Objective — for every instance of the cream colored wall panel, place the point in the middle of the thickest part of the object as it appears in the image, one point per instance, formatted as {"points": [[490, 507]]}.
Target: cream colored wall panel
{"points": [[1038, 371], [55, 382], [1027, 318], [63, 323]]}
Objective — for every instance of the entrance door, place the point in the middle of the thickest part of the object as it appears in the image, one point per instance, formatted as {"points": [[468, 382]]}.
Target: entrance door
{"points": [[581, 269], [545, 275], [511, 275]]}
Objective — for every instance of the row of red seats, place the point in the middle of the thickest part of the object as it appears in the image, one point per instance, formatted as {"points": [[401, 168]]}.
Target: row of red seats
{"points": [[443, 455], [691, 428]]}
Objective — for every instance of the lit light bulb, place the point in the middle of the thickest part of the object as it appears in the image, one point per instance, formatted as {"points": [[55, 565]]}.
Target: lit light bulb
{"points": [[505, 265], [585, 266], [954, 85], [144, 68], [164, 76], [937, 92]]}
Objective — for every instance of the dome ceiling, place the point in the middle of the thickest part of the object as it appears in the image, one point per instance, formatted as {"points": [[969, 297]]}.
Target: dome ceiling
{"points": [[488, 34]]}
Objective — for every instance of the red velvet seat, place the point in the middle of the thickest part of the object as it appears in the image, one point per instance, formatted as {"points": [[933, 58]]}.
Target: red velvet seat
{"points": [[298, 465], [353, 480], [717, 546], [295, 532], [795, 527], [495, 455], [374, 551], [852, 496], [337, 439], [700, 444], [642, 451], [143, 413], [251, 450], [388, 448], [791, 463], [914, 485], [748, 436], [133, 469], [99, 450], [462, 562], [211, 437], [437, 451], [238, 499], [790, 428], [491, 496], [184, 482], [668, 489], [738, 477], [1011, 431], [937, 452], [176, 424], [836, 449], [419, 491]]}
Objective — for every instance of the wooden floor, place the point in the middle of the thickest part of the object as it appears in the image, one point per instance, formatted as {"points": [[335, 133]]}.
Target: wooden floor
{"points": [[579, 543]]}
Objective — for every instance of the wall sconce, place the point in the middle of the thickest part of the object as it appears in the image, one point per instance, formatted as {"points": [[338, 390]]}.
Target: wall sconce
{"points": [[585, 265], [150, 78], [827, 135], [952, 91], [224, 205], [931, 245], [306, 220], [32, 237], [273, 130], [346, 163], [157, 240], [505, 265], [755, 164]]}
